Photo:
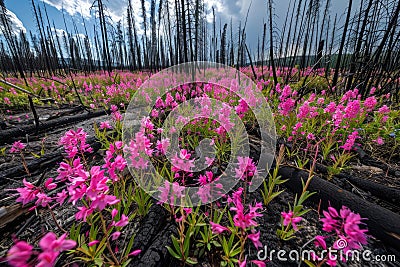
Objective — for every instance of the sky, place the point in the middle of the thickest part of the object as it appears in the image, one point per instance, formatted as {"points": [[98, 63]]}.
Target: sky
{"points": [[22, 16]]}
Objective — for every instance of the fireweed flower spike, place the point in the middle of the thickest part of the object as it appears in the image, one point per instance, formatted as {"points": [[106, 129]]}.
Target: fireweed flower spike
{"points": [[17, 147], [50, 246], [19, 254], [217, 228], [289, 219], [344, 226]]}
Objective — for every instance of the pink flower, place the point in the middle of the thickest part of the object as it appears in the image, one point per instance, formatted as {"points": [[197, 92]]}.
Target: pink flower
{"points": [[370, 103], [243, 219], [61, 196], [289, 219], [206, 179], [286, 106], [7, 101], [297, 126], [242, 263], [346, 224], [330, 108], [379, 140], [98, 183], [320, 241], [135, 252], [258, 263], [115, 235], [164, 192], [114, 212], [204, 193], [49, 184], [92, 243], [182, 162], [122, 222], [311, 136], [217, 228], [163, 145], [17, 147], [43, 200], [74, 142], [105, 125], [307, 111], [50, 243], [114, 108], [329, 222], [209, 161], [47, 258], [83, 213], [331, 262], [103, 200], [350, 141], [384, 109], [19, 254], [255, 238], [27, 193], [246, 168], [372, 91], [352, 109]]}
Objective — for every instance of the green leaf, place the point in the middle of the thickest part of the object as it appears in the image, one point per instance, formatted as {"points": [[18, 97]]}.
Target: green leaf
{"points": [[225, 246], [173, 253], [176, 243], [191, 261], [309, 263], [126, 263], [128, 248], [99, 262], [216, 243], [35, 155], [235, 251]]}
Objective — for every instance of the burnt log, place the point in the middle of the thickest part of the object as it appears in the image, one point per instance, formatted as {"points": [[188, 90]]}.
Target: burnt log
{"points": [[42, 163], [10, 134], [390, 194], [382, 223], [153, 237], [370, 161]]}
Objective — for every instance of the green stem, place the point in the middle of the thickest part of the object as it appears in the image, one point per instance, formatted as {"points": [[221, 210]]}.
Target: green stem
{"points": [[103, 222]]}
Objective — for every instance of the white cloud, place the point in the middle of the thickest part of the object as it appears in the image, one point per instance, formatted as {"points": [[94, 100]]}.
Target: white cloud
{"points": [[72, 7], [58, 32], [115, 9], [15, 24]]}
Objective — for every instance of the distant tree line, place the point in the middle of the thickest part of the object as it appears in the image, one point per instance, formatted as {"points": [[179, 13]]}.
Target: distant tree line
{"points": [[360, 50]]}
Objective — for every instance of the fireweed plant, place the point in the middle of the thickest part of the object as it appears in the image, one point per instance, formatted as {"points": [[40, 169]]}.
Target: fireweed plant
{"points": [[343, 235], [106, 198]]}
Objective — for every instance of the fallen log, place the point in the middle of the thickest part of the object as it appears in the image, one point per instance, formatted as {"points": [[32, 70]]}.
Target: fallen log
{"points": [[34, 165], [151, 224], [381, 191], [370, 161], [384, 192], [42, 163], [157, 254], [152, 239], [382, 223], [10, 213], [10, 134]]}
